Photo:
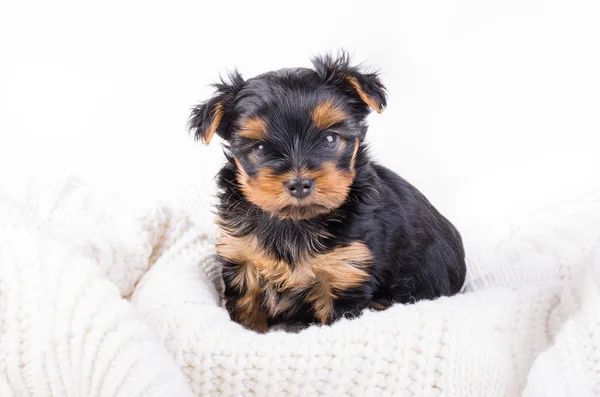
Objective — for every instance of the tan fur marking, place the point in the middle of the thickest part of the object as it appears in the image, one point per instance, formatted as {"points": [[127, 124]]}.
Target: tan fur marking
{"points": [[331, 185], [218, 114], [250, 314], [322, 275], [326, 114], [266, 190], [322, 299], [363, 95], [344, 266], [247, 252], [254, 128], [276, 304], [248, 310], [341, 269], [354, 153]]}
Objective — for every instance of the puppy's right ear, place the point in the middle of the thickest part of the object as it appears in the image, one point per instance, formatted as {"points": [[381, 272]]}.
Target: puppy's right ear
{"points": [[364, 87], [214, 115]]}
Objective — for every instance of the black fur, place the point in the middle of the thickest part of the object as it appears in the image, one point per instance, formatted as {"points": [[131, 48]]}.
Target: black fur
{"points": [[418, 254]]}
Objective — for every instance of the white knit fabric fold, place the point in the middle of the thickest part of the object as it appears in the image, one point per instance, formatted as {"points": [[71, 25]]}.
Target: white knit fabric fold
{"points": [[98, 300]]}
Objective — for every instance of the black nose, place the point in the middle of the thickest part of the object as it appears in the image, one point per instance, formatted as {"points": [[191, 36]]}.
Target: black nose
{"points": [[299, 188]]}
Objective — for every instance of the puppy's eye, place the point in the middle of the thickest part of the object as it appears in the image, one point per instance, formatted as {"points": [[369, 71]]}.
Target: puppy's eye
{"points": [[258, 150], [331, 140]]}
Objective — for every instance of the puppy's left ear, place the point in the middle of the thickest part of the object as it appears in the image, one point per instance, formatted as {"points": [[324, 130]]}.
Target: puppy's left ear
{"points": [[214, 115], [362, 85]]}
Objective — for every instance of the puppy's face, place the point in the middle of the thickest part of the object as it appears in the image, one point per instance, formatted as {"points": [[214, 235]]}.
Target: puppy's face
{"points": [[294, 134]]}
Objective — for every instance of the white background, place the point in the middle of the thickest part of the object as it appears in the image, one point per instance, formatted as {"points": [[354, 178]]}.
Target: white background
{"points": [[494, 105]]}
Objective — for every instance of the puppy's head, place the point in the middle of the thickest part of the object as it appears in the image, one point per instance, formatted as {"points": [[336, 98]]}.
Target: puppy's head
{"points": [[294, 134]]}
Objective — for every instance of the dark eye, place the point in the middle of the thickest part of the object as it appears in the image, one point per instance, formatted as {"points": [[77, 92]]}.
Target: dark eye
{"points": [[331, 140], [258, 150]]}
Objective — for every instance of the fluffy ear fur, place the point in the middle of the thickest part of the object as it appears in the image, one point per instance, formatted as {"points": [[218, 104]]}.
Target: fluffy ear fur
{"points": [[363, 86], [213, 116]]}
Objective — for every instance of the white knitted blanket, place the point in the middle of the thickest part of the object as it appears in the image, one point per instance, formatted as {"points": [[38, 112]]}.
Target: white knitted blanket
{"points": [[98, 300]]}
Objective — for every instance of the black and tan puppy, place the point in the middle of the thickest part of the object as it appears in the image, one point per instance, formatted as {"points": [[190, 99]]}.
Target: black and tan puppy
{"points": [[312, 228]]}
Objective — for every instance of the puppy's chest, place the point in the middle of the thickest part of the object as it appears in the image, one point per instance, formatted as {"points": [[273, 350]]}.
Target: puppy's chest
{"points": [[278, 286]]}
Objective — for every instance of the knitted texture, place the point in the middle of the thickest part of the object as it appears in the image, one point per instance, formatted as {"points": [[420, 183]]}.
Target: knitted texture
{"points": [[98, 299]]}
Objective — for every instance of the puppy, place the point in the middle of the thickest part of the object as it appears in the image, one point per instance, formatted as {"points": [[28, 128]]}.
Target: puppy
{"points": [[311, 228]]}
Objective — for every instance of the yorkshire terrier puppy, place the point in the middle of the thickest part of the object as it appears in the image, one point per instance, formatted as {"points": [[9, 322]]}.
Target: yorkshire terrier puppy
{"points": [[312, 229]]}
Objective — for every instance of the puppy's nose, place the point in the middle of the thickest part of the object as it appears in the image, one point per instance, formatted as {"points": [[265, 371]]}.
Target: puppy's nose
{"points": [[299, 188]]}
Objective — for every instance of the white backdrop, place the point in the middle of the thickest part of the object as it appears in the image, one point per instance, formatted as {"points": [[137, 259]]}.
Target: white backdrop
{"points": [[493, 104]]}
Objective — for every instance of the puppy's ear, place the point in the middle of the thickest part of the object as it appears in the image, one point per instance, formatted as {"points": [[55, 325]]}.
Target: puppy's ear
{"points": [[351, 79], [214, 115]]}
